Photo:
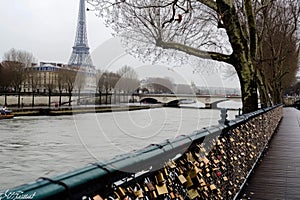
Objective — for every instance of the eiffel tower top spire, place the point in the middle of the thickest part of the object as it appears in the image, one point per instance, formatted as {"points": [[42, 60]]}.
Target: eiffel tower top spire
{"points": [[80, 55]]}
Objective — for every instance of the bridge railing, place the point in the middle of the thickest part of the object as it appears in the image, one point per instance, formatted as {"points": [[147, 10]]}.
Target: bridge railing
{"points": [[212, 163]]}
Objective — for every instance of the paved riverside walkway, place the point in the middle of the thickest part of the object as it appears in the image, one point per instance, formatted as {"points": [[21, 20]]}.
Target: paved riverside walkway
{"points": [[278, 174]]}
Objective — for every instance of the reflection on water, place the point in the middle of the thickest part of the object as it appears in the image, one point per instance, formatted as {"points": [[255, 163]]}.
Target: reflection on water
{"points": [[31, 147]]}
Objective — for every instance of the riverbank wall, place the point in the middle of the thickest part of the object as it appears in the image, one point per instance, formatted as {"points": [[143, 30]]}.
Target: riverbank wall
{"points": [[71, 110]]}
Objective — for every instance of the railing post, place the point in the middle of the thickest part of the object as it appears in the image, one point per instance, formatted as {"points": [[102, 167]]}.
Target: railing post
{"points": [[223, 116]]}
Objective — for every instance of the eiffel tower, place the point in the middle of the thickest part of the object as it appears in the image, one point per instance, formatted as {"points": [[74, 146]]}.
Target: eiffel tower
{"points": [[80, 56]]}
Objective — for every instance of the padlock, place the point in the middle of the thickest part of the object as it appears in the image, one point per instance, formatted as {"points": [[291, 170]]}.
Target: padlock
{"points": [[212, 187], [205, 160], [208, 175], [171, 164], [202, 183], [116, 196], [193, 171], [190, 157], [193, 193], [172, 195], [181, 179], [207, 169], [160, 186], [216, 161], [121, 192], [165, 171], [153, 195], [149, 186], [222, 151], [138, 192], [189, 182], [97, 197]]}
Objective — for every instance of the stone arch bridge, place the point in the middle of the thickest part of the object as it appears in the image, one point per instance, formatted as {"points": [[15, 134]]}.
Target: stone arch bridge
{"points": [[210, 101]]}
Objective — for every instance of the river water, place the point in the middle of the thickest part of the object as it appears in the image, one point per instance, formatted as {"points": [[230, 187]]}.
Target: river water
{"points": [[32, 147]]}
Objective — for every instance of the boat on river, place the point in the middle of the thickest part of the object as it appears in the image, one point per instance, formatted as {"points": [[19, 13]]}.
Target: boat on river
{"points": [[6, 114]]}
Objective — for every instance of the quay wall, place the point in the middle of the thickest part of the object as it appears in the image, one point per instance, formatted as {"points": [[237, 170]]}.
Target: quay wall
{"points": [[43, 99], [212, 163]]}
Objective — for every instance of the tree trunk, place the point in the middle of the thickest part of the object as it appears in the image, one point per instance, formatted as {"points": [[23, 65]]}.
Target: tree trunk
{"points": [[60, 93], [49, 99], [248, 82], [100, 98], [243, 53], [106, 98], [263, 90], [5, 98], [19, 98], [249, 96], [276, 96], [32, 101], [70, 96], [78, 100]]}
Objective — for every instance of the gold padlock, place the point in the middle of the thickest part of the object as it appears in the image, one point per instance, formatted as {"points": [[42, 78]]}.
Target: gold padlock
{"points": [[190, 157], [161, 186], [116, 196], [181, 179], [208, 175], [121, 192], [171, 164], [193, 193], [189, 182], [212, 187], [153, 195], [193, 171], [138, 192]]}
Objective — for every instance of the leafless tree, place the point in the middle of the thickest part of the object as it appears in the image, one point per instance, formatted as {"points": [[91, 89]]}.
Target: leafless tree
{"points": [[278, 54], [80, 82], [127, 72], [51, 85], [106, 82], [17, 63], [33, 81], [99, 85], [5, 74], [61, 82], [68, 78], [160, 85], [223, 30], [128, 82], [5, 81]]}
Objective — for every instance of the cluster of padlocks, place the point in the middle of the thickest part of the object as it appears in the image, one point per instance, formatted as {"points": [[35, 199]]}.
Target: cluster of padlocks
{"points": [[213, 169]]}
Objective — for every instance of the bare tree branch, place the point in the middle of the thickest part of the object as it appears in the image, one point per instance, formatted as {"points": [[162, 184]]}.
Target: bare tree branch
{"points": [[193, 51]]}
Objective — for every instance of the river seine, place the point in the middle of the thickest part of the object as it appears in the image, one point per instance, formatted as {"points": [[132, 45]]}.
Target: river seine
{"points": [[32, 147]]}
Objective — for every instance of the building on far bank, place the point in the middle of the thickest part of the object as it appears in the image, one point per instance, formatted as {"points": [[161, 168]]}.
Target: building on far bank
{"points": [[43, 77]]}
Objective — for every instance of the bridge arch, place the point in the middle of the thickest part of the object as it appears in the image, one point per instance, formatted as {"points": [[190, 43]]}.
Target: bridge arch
{"points": [[149, 100], [174, 103]]}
